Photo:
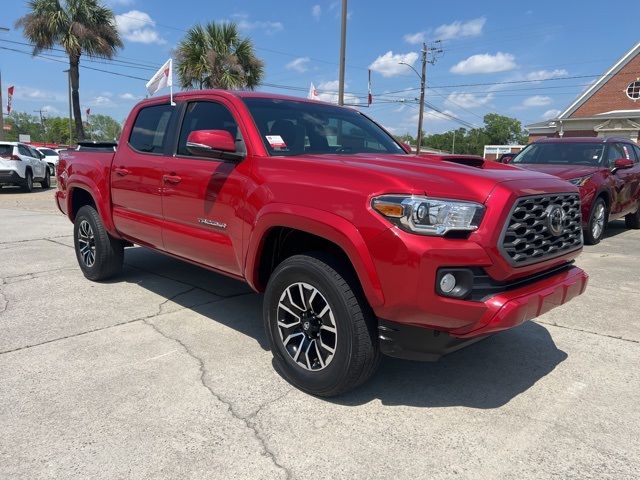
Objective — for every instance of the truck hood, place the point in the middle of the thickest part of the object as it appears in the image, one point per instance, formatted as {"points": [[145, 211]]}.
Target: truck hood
{"points": [[462, 178], [566, 172]]}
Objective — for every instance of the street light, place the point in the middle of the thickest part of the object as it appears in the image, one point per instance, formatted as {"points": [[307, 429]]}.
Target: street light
{"points": [[423, 80], [2, 29]]}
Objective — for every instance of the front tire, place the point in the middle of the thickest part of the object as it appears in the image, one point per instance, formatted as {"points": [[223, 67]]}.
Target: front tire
{"points": [[597, 222], [320, 328], [99, 255]]}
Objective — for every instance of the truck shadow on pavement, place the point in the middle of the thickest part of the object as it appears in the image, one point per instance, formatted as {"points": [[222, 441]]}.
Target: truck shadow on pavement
{"points": [[484, 375]]}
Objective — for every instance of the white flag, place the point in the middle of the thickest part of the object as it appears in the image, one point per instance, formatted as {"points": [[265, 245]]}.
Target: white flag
{"points": [[313, 93], [162, 78]]}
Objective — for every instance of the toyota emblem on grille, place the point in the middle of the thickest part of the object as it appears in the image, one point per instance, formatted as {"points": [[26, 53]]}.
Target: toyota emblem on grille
{"points": [[555, 220]]}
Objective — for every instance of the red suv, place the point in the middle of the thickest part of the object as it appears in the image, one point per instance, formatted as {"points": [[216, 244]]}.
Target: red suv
{"points": [[607, 171]]}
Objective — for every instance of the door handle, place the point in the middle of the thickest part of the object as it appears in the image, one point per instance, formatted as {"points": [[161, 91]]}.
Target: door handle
{"points": [[121, 171], [175, 179]]}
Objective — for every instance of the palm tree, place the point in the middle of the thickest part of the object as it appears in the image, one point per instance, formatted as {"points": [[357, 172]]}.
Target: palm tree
{"points": [[216, 56], [78, 26]]}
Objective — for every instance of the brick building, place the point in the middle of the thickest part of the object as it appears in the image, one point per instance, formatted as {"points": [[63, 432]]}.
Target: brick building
{"points": [[608, 108]]}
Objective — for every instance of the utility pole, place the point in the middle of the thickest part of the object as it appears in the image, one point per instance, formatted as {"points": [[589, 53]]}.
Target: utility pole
{"points": [[343, 52], [2, 29], [453, 147], [429, 55]]}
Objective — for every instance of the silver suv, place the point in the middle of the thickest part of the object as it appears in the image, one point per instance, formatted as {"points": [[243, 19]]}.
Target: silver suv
{"points": [[20, 165]]}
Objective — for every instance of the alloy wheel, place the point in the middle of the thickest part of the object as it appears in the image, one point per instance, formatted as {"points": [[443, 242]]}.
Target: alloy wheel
{"points": [[87, 243], [307, 326], [598, 221]]}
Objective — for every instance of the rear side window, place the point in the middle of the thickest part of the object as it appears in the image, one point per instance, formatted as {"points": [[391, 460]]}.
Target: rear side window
{"points": [[24, 151], [149, 131], [6, 151]]}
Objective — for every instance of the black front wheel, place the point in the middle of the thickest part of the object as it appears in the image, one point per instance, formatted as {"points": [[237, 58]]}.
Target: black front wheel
{"points": [[27, 184], [99, 255], [320, 328]]}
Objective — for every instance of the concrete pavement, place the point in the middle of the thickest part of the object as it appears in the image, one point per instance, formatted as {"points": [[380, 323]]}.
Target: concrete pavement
{"points": [[164, 373]]}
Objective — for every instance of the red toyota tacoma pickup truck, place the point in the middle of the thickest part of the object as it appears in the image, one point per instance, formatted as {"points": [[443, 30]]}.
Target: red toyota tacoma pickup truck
{"points": [[360, 247]]}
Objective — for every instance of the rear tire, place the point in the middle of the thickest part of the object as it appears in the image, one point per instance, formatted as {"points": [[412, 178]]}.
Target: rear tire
{"points": [[27, 184], [99, 255], [633, 220], [46, 183], [598, 219], [316, 303]]}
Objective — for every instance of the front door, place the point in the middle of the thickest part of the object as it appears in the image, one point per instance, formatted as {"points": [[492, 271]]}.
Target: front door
{"points": [[136, 176], [203, 198]]}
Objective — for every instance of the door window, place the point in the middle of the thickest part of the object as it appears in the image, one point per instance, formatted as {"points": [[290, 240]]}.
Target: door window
{"points": [[208, 116], [615, 152], [149, 131], [24, 151]]}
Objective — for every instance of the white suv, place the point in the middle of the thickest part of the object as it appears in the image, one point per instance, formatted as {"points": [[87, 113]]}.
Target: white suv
{"points": [[19, 165], [51, 157]]}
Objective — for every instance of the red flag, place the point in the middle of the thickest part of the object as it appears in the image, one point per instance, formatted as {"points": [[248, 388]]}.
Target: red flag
{"points": [[9, 98]]}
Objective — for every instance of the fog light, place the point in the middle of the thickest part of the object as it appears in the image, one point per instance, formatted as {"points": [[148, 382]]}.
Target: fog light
{"points": [[447, 283]]}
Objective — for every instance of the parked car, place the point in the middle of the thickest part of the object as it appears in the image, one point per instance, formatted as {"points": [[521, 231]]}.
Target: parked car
{"points": [[606, 170], [21, 165], [51, 157], [360, 247]]}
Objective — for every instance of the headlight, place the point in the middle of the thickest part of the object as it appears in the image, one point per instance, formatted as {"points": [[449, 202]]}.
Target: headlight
{"points": [[580, 181], [429, 216]]}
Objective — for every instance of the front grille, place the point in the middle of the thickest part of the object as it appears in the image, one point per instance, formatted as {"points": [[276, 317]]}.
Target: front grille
{"points": [[528, 236]]}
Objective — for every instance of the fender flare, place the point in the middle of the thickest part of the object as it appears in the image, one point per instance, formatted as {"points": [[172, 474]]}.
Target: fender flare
{"points": [[102, 204], [323, 224]]}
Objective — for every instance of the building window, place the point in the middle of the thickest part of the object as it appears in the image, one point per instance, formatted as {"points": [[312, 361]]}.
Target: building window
{"points": [[633, 90]]}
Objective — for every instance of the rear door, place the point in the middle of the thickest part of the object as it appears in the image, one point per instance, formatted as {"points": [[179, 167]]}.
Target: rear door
{"points": [[626, 179], [136, 176], [203, 198]]}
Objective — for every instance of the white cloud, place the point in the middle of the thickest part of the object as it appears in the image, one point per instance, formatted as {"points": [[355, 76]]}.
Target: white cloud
{"points": [[316, 11], [328, 92], [23, 92], [536, 101], [101, 101], [137, 26], [415, 38], [129, 96], [467, 100], [299, 65], [485, 63], [389, 64], [431, 116], [470, 28], [547, 74], [51, 110], [549, 114], [246, 24]]}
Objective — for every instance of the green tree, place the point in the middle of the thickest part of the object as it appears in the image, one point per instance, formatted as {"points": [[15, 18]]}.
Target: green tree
{"points": [[216, 56], [79, 27], [21, 123], [58, 131], [501, 130], [104, 128]]}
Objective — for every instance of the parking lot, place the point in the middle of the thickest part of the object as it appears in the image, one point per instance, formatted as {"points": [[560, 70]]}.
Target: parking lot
{"points": [[163, 372]]}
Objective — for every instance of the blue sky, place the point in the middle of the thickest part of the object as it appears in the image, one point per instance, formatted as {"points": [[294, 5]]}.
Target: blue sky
{"points": [[487, 43]]}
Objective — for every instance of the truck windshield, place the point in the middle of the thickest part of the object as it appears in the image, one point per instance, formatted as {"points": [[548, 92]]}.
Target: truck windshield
{"points": [[582, 153], [289, 127]]}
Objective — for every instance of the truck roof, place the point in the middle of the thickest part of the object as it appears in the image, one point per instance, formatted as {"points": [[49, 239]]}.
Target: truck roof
{"points": [[231, 93], [583, 140]]}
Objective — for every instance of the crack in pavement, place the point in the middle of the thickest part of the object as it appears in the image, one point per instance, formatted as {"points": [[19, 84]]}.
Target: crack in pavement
{"points": [[246, 420], [36, 240], [31, 275], [119, 324], [588, 331]]}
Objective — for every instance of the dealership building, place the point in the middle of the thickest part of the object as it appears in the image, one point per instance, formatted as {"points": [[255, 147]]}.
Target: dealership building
{"points": [[608, 108]]}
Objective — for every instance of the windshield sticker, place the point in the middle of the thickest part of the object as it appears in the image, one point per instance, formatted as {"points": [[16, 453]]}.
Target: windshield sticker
{"points": [[276, 142]]}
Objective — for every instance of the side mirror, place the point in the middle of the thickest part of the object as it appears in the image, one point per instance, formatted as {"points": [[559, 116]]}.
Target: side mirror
{"points": [[621, 164], [212, 144]]}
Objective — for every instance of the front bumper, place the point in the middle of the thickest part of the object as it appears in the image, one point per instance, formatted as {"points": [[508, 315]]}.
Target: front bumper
{"points": [[499, 312]]}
